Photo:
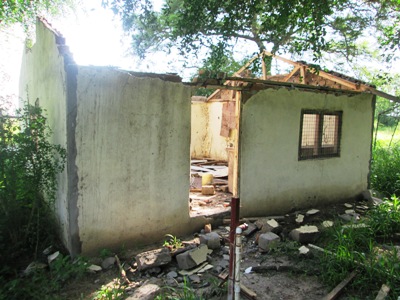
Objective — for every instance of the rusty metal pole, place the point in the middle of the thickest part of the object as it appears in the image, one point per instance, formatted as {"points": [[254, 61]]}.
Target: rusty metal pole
{"points": [[235, 209]]}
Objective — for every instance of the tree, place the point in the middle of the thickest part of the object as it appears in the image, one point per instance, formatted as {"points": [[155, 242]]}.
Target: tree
{"points": [[190, 25], [25, 12]]}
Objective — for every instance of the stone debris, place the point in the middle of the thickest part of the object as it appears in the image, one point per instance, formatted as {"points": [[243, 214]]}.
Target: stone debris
{"points": [[347, 205], [271, 226], [192, 258], [33, 266], [207, 228], [153, 258], [212, 240], [53, 257], [148, 291], [304, 251], [327, 224], [200, 269], [108, 263], [305, 234], [300, 219], [350, 216], [355, 226], [268, 240], [312, 212], [172, 274], [94, 268], [251, 228]]}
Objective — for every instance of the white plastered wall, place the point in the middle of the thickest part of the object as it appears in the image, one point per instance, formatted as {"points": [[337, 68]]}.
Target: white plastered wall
{"points": [[206, 141], [43, 77], [133, 162], [273, 180]]}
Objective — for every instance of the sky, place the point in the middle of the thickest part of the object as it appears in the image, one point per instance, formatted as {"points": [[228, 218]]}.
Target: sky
{"points": [[95, 37]]}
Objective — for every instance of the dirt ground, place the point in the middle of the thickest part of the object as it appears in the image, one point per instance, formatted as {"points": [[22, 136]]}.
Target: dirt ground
{"points": [[297, 277]]}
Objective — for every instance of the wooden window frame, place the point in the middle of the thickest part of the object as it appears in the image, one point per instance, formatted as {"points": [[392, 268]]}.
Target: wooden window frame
{"points": [[318, 151]]}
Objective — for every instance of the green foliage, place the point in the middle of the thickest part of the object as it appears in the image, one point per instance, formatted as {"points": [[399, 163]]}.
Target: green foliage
{"points": [[185, 292], [114, 291], [217, 25], [172, 242], [384, 219], [385, 169], [25, 12], [44, 284], [29, 165], [350, 248]]}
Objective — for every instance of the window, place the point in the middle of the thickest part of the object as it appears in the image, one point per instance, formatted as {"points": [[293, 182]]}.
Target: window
{"points": [[320, 134]]}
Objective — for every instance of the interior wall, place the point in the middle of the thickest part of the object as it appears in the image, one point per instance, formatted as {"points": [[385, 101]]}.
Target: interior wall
{"points": [[273, 180], [132, 139], [206, 141], [43, 78]]}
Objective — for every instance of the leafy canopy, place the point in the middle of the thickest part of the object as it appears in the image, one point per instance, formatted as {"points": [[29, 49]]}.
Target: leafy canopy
{"points": [[295, 25], [25, 12]]}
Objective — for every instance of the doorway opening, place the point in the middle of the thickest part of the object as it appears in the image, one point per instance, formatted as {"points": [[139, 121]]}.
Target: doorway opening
{"points": [[212, 153]]}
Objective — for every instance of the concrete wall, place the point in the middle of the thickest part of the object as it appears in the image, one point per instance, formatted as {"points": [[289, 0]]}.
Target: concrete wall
{"points": [[273, 180], [133, 159], [206, 141], [43, 77]]}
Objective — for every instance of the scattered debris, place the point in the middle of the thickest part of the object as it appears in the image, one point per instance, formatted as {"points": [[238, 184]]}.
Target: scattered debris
{"points": [[212, 240], [347, 205], [305, 234], [34, 266], [327, 224], [94, 268], [148, 291], [108, 263], [268, 240], [153, 258], [304, 251], [192, 258], [52, 257], [383, 292], [300, 219], [312, 212]]}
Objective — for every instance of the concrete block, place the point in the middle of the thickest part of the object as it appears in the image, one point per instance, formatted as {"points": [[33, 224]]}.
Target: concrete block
{"points": [[268, 240], [208, 190], [153, 258], [212, 240], [271, 226], [192, 258], [251, 228], [305, 234]]}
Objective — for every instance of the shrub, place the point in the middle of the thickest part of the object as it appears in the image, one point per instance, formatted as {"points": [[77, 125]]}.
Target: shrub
{"points": [[29, 164], [385, 169]]}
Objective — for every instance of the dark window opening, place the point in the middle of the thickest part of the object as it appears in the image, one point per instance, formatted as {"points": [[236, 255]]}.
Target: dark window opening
{"points": [[320, 134]]}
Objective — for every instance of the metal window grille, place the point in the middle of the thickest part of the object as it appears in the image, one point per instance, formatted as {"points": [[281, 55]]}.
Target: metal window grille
{"points": [[320, 134]]}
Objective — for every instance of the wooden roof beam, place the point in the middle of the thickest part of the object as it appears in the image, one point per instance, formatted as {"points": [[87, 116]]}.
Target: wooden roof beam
{"points": [[294, 71]]}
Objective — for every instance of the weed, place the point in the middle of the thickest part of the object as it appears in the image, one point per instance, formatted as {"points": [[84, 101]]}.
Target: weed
{"points": [[384, 219], [112, 291], [104, 253], [385, 169], [185, 292], [172, 242]]}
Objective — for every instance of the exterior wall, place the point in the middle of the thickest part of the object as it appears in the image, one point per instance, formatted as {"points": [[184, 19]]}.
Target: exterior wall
{"points": [[206, 141], [43, 77], [273, 180], [132, 142]]}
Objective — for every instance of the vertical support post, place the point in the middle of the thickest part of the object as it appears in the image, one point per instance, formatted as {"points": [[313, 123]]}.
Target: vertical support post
{"points": [[238, 252], [264, 67], [235, 206]]}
